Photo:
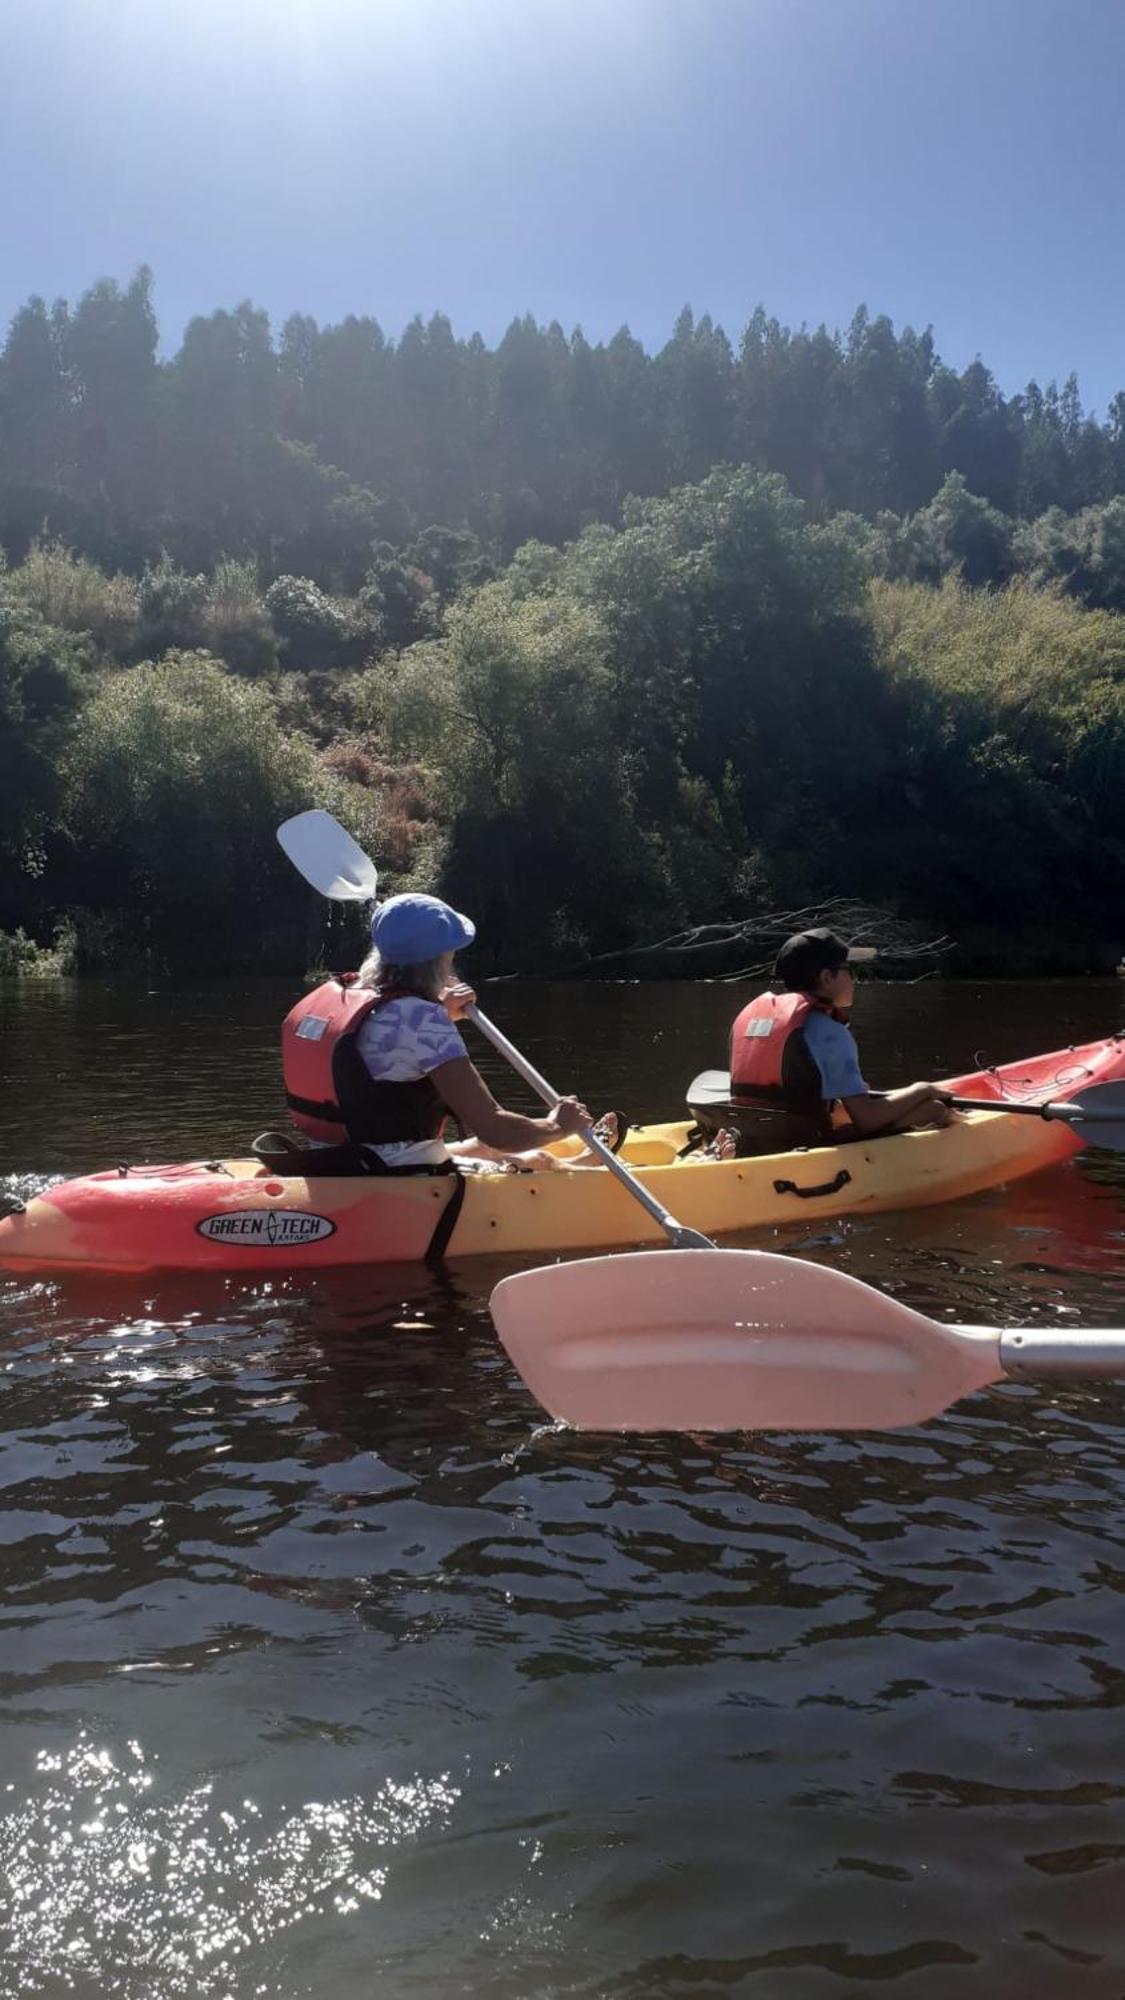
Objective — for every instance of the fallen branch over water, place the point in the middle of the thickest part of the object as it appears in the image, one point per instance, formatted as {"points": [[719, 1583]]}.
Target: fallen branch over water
{"points": [[893, 938]]}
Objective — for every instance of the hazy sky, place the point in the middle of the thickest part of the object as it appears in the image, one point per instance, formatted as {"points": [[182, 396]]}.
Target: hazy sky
{"points": [[954, 162]]}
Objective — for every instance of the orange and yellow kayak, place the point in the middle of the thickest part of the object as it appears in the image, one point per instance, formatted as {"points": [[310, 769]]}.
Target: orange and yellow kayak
{"points": [[237, 1215]]}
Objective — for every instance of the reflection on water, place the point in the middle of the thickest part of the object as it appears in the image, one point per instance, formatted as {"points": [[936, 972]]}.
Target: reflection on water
{"points": [[328, 1669], [99, 1876]]}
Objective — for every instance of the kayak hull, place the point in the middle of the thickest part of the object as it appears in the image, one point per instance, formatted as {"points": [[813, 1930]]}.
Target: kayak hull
{"points": [[236, 1215]]}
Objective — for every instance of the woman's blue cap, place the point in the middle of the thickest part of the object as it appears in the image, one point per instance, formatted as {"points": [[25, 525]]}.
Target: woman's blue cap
{"points": [[408, 930]]}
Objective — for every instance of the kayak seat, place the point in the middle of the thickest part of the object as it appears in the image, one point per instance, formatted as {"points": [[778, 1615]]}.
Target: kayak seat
{"points": [[282, 1155], [716, 1108]]}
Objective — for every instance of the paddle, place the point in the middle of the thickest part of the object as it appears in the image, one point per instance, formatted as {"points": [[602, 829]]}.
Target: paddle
{"points": [[1095, 1115], [678, 1233], [328, 858], [1100, 1105], [748, 1340], [326, 855]]}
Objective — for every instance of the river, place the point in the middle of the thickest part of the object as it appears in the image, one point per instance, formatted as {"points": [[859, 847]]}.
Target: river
{"points": [[328, 1671]]}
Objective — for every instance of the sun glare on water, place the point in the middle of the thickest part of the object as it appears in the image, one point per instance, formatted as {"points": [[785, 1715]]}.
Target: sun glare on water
{"points": [[160, 1898]]}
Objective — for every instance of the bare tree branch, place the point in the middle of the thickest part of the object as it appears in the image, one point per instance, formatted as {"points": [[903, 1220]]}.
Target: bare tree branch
{"points": [[893, 938]]}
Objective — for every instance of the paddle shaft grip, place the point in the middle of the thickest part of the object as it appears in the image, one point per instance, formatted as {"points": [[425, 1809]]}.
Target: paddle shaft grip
{"points": [[1037, 1352], [682, 1237]]}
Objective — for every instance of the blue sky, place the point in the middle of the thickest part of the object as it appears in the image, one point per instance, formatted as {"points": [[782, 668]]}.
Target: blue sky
{"points": [[953, 162]]}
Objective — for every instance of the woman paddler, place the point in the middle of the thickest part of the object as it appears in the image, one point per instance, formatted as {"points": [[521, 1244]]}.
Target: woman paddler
{"points": [[374, 1062]]}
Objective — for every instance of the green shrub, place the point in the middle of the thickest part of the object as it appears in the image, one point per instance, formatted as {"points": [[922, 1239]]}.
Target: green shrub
{"points": [[236, 624], [1009, 752], [42, 676], [73, 593], [22, 958], [313, 629], [173, 607], [174, 792]]}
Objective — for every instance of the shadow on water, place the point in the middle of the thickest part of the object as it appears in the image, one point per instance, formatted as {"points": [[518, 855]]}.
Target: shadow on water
{"points": [[329, 1669]]}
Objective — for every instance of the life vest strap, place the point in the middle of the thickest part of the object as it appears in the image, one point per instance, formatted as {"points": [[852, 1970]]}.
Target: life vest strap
{"points": [[311, 1109]]}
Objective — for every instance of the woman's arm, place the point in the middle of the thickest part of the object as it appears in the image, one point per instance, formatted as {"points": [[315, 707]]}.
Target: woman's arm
{"points": [[892, 1110], [461, 1086]]}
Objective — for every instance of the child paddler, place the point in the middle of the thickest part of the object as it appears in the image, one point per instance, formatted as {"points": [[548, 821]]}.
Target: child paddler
{"points": [[794, 1064]]}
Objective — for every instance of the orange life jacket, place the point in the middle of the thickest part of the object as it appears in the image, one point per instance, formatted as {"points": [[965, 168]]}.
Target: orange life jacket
{"points": [[770, 1064], [327, 1085]]}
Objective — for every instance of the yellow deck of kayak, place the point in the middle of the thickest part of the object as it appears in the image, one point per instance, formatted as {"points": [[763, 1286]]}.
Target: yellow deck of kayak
{"points": [[588, 1210]]}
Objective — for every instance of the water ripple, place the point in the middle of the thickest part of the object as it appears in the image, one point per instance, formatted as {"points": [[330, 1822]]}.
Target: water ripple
{"points": [[789, 1718]]}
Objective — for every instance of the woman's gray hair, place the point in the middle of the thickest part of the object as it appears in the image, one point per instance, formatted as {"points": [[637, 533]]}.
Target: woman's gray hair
{"points": [[428, 977]]}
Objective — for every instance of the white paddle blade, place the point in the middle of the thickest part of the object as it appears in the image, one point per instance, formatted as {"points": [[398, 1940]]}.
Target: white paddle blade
{"points": [[730, 1340], [326, 855]]}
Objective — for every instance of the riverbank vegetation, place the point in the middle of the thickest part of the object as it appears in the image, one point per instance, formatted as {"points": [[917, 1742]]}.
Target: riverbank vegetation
{"points": [[600, 643]]}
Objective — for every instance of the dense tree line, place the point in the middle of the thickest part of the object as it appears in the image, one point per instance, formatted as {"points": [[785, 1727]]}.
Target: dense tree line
{"points": [[604, 643], [720, 706], [301, 453]]}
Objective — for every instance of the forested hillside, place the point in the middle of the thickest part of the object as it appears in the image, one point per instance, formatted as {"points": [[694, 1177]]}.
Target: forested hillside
{"points": [[602, 642]]}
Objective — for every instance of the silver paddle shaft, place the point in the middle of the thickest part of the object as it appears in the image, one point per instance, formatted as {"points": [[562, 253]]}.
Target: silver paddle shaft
{"points": [[1041, 1353], [682, 1237], [1069, 1114], [1038, 1352]]}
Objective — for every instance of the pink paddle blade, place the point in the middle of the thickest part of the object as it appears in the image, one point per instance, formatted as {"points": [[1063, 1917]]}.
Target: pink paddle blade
{"points": [[730, 1340]]}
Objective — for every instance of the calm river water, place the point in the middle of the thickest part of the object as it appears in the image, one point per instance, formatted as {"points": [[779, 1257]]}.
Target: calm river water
{"points": [[326, 1672]]}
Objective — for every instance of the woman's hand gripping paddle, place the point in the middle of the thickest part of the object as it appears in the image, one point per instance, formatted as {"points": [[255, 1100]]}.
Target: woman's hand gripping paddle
{"points": [[742, 1340], [328, 858], [679, 1235]]}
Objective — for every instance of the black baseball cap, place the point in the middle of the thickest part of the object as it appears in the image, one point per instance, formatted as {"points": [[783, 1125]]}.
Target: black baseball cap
{"points": [[804, 957]]}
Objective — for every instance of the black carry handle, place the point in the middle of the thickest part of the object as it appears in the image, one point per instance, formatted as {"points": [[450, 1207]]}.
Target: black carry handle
{"points": [[833, 1186]]}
